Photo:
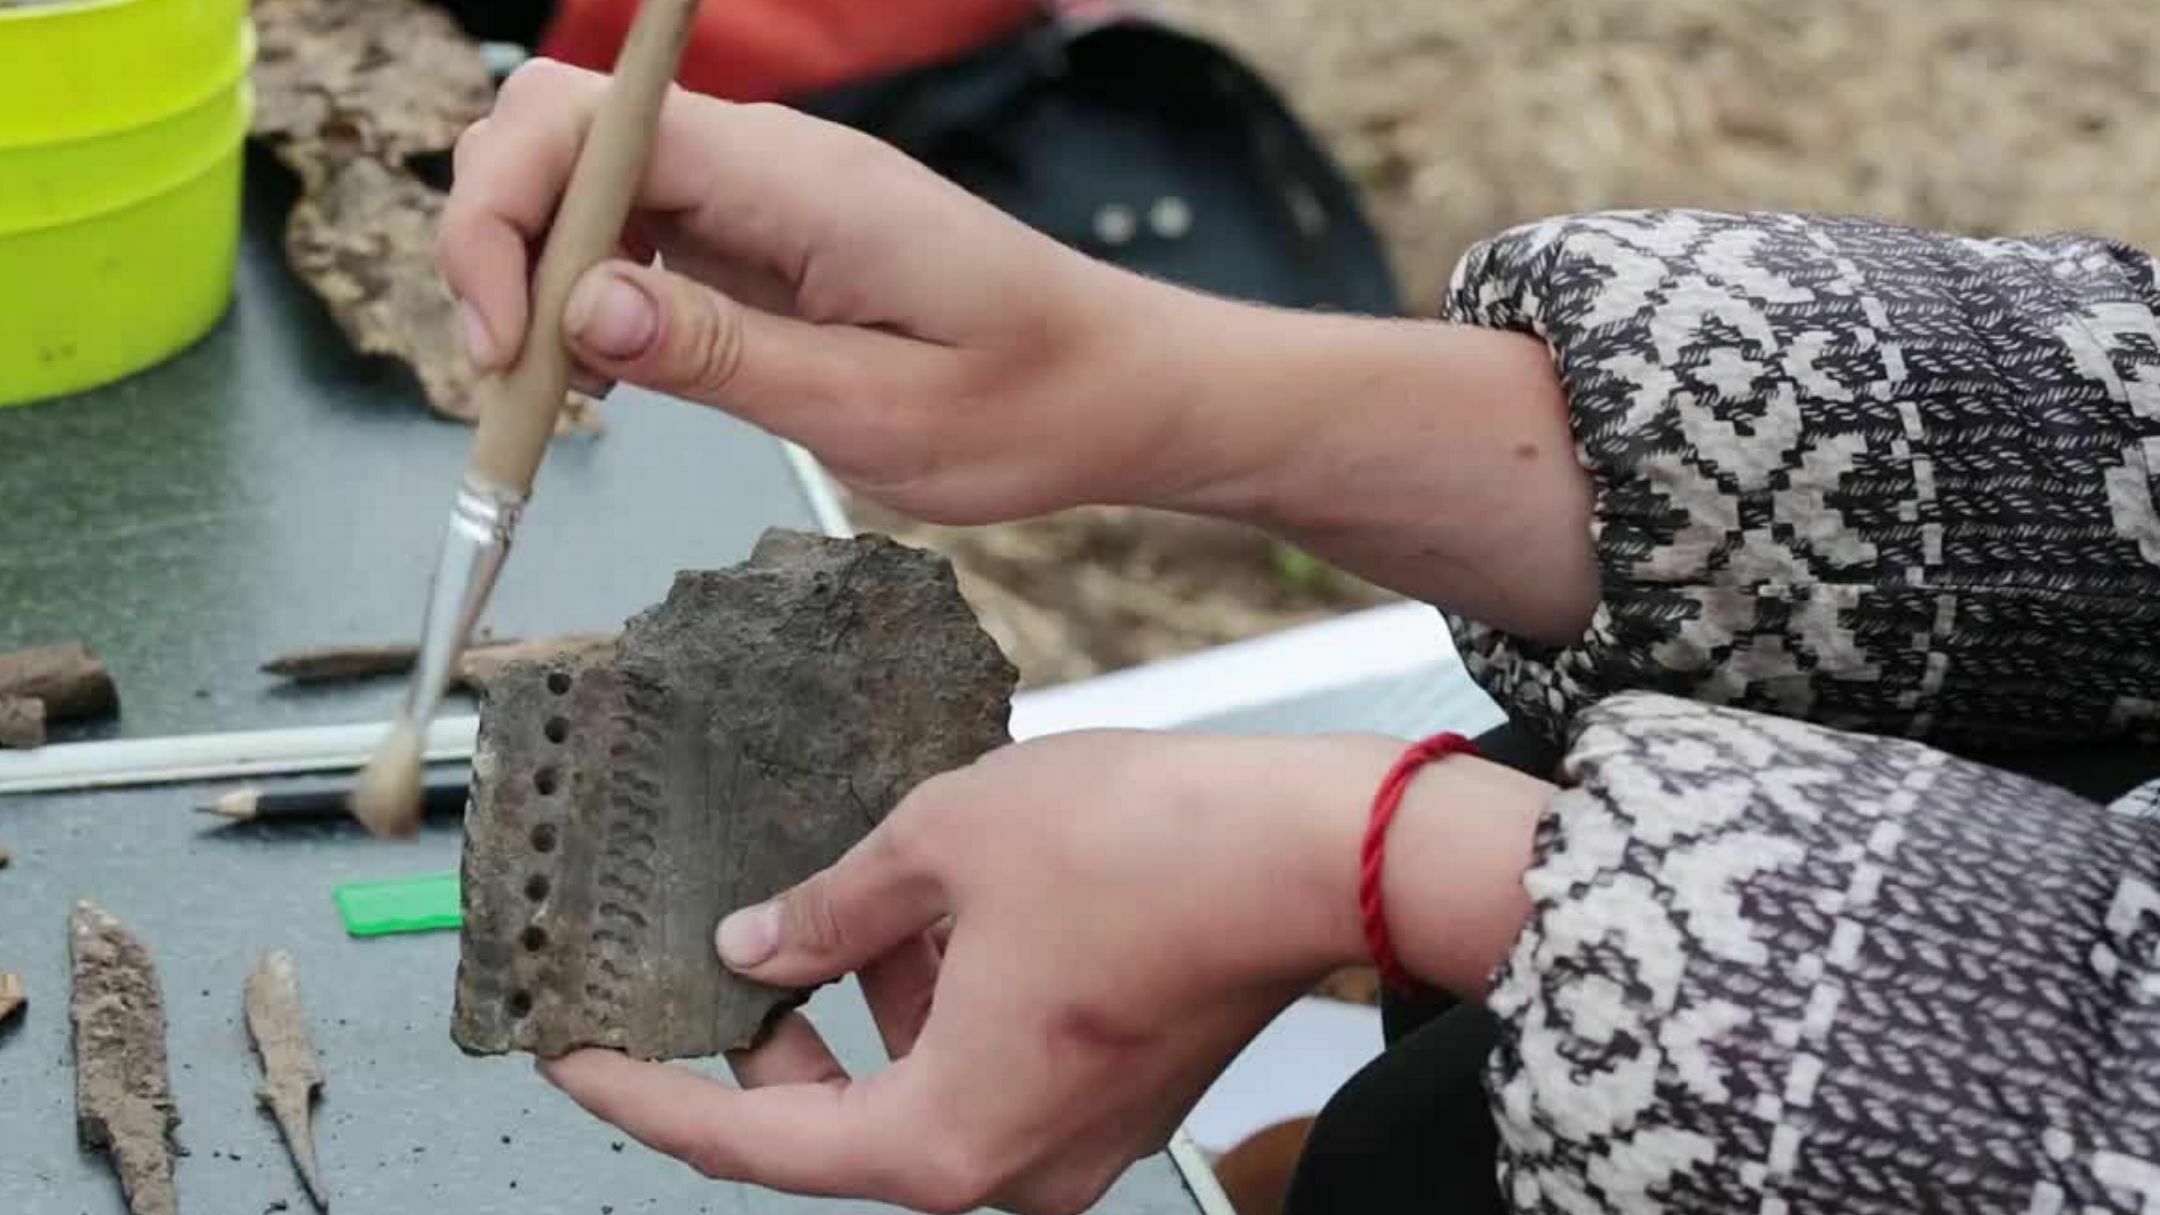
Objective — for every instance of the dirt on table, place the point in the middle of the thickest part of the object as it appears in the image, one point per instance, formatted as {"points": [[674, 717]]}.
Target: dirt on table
{"points": [[1973, 115], [1087, 591], [1460, 119]]}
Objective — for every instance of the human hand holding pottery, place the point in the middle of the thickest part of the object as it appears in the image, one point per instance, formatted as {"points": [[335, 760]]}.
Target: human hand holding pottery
{"points": [[1058, 946]]}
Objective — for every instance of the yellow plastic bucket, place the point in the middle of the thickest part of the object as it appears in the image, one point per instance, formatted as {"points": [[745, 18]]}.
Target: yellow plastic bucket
{"points": [[121, 125]]}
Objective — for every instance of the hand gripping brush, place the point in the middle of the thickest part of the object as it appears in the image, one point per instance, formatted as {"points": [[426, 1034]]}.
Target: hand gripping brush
{"points": [[518, 406]]}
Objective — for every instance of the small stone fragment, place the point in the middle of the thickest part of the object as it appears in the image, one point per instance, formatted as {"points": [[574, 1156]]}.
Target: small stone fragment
{"points": [[477, 664], [291, 1074], [12, 998], [743, 735], [123, 1096], [22, 723], [70, 680]]}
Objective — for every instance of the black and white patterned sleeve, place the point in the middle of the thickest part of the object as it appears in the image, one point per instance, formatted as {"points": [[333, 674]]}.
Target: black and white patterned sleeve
{"points": [[1776, 968], [1850, 472]]}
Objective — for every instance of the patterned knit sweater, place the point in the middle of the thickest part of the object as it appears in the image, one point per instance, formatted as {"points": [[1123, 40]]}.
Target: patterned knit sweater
{"points": [[1879, 478], [1848, 475]]}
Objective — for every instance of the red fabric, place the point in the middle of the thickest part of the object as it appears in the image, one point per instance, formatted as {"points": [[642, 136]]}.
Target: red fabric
{"points": [[765, 50], [1372, 858]]}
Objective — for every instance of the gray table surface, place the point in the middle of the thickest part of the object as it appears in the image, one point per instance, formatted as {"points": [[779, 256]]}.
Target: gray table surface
{"points": [[408, 1125], [267, 489]]}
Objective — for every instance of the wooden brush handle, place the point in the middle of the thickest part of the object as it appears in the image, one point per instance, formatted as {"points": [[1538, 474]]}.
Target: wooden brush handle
{"points": [[519, 405]]}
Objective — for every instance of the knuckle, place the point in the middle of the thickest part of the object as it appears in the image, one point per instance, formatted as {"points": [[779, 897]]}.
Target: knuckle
{"points": [[950, 1180], [535, 78], [453, 257], [899, 447], [447, 245], [765, 114], [465, 152], [710, 346], [848, 152], [812, 921], [459, 215], [933, 822], [912, 833]]}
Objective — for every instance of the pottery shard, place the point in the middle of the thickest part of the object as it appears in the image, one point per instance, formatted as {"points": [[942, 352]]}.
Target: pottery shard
{"points": [[123, 1097], [22, 722], [743, 735]]}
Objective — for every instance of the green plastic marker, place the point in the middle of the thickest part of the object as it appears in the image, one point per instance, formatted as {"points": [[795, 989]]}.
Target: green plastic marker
{"points": [[428, 903]]}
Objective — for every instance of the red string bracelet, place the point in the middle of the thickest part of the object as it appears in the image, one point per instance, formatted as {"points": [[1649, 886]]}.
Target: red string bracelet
{"points": [[1374, 853]]}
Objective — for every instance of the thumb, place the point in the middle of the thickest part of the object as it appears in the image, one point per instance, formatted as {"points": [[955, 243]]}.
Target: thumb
{"points": [[648, 326], [869, 901]]}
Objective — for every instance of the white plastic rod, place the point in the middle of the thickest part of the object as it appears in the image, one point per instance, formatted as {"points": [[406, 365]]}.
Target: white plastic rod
{"points": [[1304, 661], [186, 757]]}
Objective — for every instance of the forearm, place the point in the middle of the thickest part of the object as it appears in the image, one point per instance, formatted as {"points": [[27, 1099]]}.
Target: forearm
{"points": [[1433, 459]]}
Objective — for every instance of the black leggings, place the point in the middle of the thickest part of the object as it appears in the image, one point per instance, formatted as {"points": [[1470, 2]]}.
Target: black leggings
{"points": [[1412, 1131]]}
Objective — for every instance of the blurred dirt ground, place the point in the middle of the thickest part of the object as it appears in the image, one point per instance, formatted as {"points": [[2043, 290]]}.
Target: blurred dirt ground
{"points": [[1461, 117]]}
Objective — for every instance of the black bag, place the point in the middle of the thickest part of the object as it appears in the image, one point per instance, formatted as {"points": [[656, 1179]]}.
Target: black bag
{"points": [[1145, 147]]}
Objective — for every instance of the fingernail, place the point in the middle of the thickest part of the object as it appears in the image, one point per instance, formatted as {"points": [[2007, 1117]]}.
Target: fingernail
{"points": [[749, 936], [479, 343], [610, 317]]}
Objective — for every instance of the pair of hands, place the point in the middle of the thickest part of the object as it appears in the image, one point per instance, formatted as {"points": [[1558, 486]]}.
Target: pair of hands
{"points": [[1062, 944], [1065, 942]]}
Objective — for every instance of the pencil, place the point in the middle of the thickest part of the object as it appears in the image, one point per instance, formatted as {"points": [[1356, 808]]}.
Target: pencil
{"points": [[251, 804]]}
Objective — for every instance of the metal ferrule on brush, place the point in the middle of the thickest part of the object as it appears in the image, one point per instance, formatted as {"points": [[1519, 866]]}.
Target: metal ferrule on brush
{"points": [[482, 519]]}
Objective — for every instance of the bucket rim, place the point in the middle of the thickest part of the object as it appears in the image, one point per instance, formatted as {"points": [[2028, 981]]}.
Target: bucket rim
{"points": [[48, 10], [238, 64]]}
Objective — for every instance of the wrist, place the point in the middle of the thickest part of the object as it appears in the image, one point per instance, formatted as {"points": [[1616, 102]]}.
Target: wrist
{"points": [[1451, 882], [1386, 446], [1140, 390], [1216, 386]]}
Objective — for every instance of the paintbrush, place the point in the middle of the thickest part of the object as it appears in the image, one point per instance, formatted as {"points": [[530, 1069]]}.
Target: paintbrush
{"points": [[251, 804], [518, 406]]}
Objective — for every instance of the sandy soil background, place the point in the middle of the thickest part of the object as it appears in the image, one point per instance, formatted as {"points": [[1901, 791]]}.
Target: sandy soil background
{"points": [[1461, 117]]}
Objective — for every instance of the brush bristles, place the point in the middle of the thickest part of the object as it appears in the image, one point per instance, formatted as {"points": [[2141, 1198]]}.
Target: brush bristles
{"points": [[387, 797]]}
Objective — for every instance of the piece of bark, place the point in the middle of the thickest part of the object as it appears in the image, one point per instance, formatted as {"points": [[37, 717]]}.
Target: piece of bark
{"points": [[339, 663], [123, 1098], [396, 76], [482, 665], [22, 722], [475, 666], [292, 1076], [361, 237], [348, 95], [742, 736], [71, 681], [12, 998]]}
